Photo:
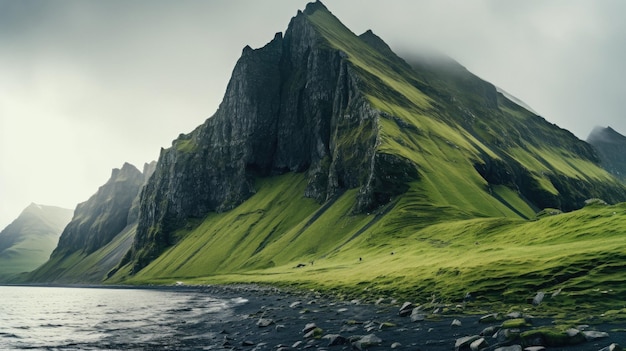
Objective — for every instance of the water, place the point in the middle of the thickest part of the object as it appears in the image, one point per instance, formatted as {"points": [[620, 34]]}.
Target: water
{"points": [[51, 318]]}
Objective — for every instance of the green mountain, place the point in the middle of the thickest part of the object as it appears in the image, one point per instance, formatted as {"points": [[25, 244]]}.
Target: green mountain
{"points": [[611, 147], [27, 242], [374, 175]]}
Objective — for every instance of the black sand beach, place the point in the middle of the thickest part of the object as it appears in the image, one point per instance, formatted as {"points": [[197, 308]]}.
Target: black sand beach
{"points": [[275, 320]]}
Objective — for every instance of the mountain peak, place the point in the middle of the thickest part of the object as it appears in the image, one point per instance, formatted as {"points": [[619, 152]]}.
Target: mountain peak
{"points": [[314, 6]]}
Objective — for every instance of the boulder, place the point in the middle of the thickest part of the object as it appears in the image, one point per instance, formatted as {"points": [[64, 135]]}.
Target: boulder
{"points": [[406, 309], [479, 344], [335, 339], [367, 341], [612, 347], [463, 344], [593, 335], [538, 298], [264, 322]]}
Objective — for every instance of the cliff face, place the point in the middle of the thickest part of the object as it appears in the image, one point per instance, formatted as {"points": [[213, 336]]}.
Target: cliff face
{"points": [[611, 148], [99, 219], [291, 106]]}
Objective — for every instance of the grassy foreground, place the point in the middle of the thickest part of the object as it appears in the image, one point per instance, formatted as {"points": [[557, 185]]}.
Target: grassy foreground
{"points": [[409, 253]]}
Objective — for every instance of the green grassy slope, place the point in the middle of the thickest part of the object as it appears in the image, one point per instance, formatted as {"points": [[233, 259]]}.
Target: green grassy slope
{"points": [[410, 249]]}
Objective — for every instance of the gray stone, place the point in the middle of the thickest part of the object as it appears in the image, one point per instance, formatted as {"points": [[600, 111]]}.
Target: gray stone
{"points": [[406, 309], [612, 347], [308, 327], [509, 348], [538, 298], [335, 339], [489, 318], [593, 335], [396, 345], [479, 344], [264, 322], [456, 323], [367, 341], [463, 343]]}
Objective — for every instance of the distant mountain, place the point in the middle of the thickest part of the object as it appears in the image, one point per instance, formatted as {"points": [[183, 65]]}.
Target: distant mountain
{"points": [[611, 147], [27, 242], [100, 232]]}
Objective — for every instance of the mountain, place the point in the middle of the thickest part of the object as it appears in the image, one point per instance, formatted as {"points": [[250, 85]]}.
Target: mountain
{"points": [[99, 233], [332, 163], [611, 147], [27, 242], [347, 113]]}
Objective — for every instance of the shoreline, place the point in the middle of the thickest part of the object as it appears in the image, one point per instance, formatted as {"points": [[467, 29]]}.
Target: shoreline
{"points": [[276, 319]]}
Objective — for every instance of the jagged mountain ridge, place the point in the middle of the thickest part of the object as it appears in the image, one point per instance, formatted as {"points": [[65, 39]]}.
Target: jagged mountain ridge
{"points": [[100, 232], [27, 242], [611, 147], [350, 114]]}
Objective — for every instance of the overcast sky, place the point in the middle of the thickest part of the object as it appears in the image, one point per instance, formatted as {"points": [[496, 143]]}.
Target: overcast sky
{"points": [[88, 85]]}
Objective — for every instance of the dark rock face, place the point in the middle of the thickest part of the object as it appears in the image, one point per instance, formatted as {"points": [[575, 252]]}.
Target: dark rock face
{"points": [[291, 106], [611, 148], [99, 219]]}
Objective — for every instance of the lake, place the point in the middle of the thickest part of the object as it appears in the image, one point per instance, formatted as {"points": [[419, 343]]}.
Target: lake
{"points": [[63, 318]]}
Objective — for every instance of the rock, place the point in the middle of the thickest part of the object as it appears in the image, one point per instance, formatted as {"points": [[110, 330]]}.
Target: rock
{"points": [[386, 325], [489, 331], [279, 327], [612, 347], [297, 344], [335, 339], [551, 337], [534, 348], [307, 328], [247, 343], [462, 344], [315, 333], [396, 345], [538, 298], [593, 335], [367, 341], [406, 309], [489, 318], [456, 323], [479, 344], [264, 322], [295, 304], [417, 317], [509, 348]]}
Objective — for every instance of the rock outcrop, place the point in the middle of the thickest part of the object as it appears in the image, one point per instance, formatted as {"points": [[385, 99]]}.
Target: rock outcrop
{"points": [[611, 148], [99, 219]]}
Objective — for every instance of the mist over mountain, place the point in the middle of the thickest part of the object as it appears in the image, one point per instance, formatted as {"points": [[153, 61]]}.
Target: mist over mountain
{"points": [[27, 242], [611, 147]]}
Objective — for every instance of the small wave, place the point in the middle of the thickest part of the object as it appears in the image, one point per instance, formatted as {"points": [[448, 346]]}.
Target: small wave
{"points": [[9, 335], [50, 325]]}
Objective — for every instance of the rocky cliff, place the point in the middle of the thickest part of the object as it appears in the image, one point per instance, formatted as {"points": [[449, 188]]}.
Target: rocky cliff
{"points": [[611, 147], [99, 219]]}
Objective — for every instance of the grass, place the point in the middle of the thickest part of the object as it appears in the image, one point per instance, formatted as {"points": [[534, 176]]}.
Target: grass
{"points": [[414, 251]]}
